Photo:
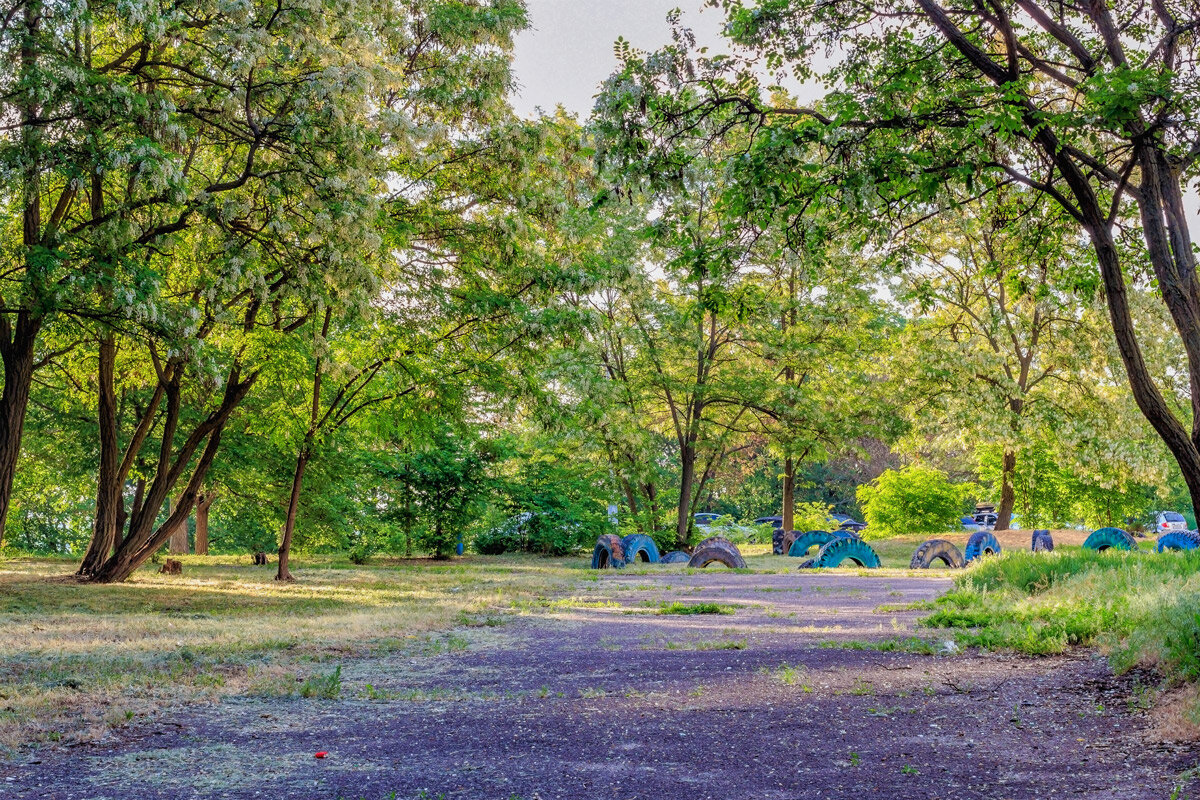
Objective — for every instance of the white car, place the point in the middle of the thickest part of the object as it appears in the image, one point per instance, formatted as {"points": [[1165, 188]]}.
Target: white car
{"points": [[1168, 521]]}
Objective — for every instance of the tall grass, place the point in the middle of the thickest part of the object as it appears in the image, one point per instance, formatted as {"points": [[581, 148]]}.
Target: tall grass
{"points": [[1142, 609]]}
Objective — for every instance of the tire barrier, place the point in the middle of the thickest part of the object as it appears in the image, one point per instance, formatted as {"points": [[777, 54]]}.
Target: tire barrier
{"points": [[846, 549], [1106, 538], [1178, 540], [777, 542], [717, 550], [639, 547], [675, 557], [937, 550], [981, 543], [788, 538], [608, 552], [1042, 542], [808, 540]]}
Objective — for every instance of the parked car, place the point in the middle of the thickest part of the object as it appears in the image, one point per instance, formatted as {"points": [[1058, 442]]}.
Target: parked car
{"points": [[704, 519], [969, 524], [1167, 521], [845, 522], [986, 521], [774, 522]]}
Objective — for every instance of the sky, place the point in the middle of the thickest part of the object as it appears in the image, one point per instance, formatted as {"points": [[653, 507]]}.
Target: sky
{"points": [[568, 52]]}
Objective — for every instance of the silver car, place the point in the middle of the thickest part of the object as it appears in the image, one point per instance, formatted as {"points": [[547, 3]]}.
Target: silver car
{"points": [[1168, 521]]}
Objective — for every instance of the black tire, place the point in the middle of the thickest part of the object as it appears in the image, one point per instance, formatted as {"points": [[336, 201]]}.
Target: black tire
{"points": [[1109, 538], [777, 542], [843, 549], [675, 557], [806, 563], [981, 543], [1043, 542], [608, 553], [937, 550], [639, 547], [1178, 540], [717, 550], [808, 540], [788, 538]]}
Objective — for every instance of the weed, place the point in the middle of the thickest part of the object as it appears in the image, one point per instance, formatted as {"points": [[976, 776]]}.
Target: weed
{"points": [[909, 769], [324, 687], [862, 688], [694, 608], [854, 759]]}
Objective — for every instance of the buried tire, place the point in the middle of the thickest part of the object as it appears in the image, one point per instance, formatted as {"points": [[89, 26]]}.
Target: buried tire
{"points": [[842, 549], [981, 543], [608, 552], [808, 540], [717, 550], [1109, 538], [675, 557], [639, 547], [777, 542], [1178, 540], [1042, 542], [937, 550]]}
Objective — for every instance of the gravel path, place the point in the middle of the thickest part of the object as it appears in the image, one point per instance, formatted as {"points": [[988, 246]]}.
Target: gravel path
{"points": [[601, 697]]}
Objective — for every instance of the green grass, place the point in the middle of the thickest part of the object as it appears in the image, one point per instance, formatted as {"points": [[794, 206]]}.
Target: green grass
{"points": [[1139, 608], [694, 608]]}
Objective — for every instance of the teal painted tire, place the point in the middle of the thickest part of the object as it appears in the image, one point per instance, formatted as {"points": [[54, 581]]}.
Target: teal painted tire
{"points": [[808, 540], [842, 549], [639, 547], [1178, 540], [1109, 538], [981, 543]]}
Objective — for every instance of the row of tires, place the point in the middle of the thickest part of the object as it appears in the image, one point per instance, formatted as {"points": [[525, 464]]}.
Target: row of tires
{"points": [[614, 552], [837, 547]]}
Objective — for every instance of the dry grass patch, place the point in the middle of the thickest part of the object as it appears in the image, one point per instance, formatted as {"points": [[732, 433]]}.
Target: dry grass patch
{"points": [[77, 659]]}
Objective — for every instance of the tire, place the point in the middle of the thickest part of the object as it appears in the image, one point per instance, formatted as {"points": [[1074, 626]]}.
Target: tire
{"points": [[1178, 540], [777, 542], [806, 563], [788, 538], [1043, 542], [639, 547], [675, 557], [842, 549], [717, 550], [608, 553], [1108, 538], [981, 543], [808, 540], [937, 550]]}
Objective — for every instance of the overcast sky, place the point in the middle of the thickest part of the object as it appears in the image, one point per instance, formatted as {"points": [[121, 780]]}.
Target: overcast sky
{"points": [[569, 50]]}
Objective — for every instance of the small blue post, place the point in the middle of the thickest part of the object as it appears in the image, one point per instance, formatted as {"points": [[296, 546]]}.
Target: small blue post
{"points": [[458, 548]]}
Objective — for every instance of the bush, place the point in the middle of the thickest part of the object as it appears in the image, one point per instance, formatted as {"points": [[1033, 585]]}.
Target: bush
{"points": [[914, 499]]}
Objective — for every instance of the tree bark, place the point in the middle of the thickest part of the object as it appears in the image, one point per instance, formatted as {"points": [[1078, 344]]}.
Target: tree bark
{"points": [[687, 477], [789, 494], [285, 542], [108, 485], [1008, 496], [16, 349], [178, 545], [203, 503]]}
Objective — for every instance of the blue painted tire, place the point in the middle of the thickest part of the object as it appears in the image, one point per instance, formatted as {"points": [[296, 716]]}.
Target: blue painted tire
{"points": [[608, 553], [1109, 538], [808, 540], [1178, 540], [675, 557], [981, 543], [639, 547], [937, 550], [1042, 542], [842, 549]]}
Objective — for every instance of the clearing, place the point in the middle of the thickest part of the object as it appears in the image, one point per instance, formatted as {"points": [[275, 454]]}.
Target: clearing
{"points": [[790, 686]]}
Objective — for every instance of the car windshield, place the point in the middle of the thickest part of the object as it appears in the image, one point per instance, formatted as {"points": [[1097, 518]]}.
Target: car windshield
{"points": [[1171, 516]]}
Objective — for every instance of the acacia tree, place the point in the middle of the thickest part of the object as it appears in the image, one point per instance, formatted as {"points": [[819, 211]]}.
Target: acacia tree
{"points": [[1090, 104], [998, 341]]}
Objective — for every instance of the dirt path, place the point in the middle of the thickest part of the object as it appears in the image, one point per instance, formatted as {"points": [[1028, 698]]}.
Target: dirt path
{"points": [[599, 697]]}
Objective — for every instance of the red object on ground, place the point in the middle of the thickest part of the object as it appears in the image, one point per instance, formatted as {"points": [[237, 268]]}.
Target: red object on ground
{"points": [[321, 754]]}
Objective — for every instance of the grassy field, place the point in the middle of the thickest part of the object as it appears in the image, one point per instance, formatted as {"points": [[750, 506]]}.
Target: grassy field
{"points": [[76, 660]]}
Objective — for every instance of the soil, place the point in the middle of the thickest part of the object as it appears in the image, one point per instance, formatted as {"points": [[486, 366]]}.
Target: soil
{"points": [[602, 697]]}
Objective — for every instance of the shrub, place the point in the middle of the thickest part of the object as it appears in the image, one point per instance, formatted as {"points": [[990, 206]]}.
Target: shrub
{"points": [[914, 499]]}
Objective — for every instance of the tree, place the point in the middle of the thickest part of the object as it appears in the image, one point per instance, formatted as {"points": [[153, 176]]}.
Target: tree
{"points": [[914, 499], [1091, 105]]}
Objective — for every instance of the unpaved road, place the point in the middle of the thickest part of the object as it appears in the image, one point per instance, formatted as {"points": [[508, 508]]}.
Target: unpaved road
{"points": [[599, 697]]}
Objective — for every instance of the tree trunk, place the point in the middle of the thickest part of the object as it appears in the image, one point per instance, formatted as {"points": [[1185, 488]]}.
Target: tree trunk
{"points": [[16, 349], [285, 541], [687, 476], [179, 534], [1007, 492], [789, 494], [203, 503]]}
